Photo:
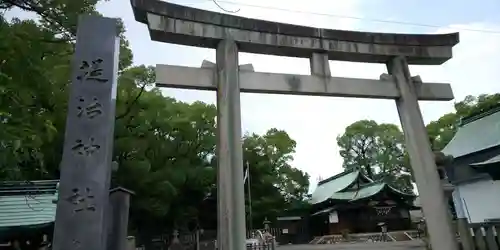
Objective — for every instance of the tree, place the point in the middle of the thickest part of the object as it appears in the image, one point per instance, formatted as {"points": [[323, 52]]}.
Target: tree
{"points": [[442, 131], [34, 77], [275, 184], [59, 18], [34, 74], [162, 146], [378, 151], [30, 92], [165, 148]]}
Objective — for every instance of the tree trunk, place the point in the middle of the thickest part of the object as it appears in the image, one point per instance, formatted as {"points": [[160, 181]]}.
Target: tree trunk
{"points": [[369, 171]]}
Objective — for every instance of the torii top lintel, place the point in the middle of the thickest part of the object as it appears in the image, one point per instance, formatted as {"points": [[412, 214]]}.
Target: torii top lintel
{"points": [[179, 24]]}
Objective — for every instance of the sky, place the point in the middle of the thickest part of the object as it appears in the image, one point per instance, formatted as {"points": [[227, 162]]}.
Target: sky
{"points": [[315, 122]]}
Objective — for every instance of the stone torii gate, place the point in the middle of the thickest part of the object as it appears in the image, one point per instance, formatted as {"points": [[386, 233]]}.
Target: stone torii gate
{"points": [[229, 34]]}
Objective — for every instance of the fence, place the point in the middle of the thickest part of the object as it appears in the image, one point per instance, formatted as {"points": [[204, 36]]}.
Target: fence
{"points": [[367, 237], [207, 240], [484, 236], [276, 232], [261, 246], [479, 236]]}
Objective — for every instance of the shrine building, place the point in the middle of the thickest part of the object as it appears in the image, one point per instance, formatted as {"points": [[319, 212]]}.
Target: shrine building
{"points": [[27, 213], [350, 202]]}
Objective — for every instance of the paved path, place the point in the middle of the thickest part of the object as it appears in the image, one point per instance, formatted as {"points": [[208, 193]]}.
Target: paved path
{"points": [[401, 245]]}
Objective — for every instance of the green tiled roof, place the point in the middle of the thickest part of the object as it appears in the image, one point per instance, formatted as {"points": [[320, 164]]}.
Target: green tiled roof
{"points": [[479, 134], [360, 193], [365, 192], [327, 188], [336, 188], [27, 204]]}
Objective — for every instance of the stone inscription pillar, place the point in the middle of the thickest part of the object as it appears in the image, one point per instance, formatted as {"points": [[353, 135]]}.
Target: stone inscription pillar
{"points": [[422, 159], [230, 189], [88, 143]]}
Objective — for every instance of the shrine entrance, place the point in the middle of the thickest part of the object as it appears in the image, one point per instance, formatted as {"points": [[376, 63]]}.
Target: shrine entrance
{"points": [[230, 35], [87, 154]]}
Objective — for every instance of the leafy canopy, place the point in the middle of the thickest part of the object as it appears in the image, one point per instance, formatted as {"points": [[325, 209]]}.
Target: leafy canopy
{"points": [[378, 151], [164, 148]]}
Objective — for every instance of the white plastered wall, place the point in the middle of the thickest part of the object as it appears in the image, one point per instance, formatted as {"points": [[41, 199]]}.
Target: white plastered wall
{"points": [[478, 201]]}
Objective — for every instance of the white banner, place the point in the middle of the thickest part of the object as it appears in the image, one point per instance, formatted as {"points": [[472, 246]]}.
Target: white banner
{"points": [[333, 217]]}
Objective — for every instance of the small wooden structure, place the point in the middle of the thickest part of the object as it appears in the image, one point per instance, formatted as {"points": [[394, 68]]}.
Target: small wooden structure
{"points": [[350, 202], [292, 230]]}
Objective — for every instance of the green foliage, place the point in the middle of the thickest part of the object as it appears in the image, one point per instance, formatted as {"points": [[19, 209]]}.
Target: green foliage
{"points": [[32, 88], [34, 73], [165, 148], [378, 151], [275, 185], [61, 16]]}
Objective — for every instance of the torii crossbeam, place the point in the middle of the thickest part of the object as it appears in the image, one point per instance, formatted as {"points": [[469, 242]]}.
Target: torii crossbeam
{"points": [[257, 82], [230, 34]]}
